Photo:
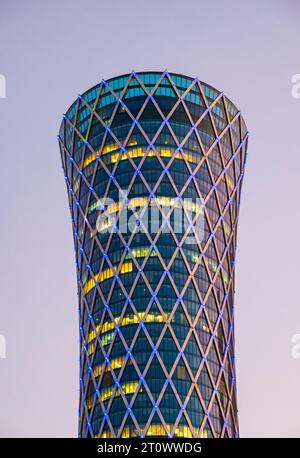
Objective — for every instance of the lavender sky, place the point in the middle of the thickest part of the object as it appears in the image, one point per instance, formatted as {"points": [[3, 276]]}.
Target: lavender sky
{"points": [[52, 50]]}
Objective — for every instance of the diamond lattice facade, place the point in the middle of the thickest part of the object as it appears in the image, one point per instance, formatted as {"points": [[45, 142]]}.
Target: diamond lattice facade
{"points": [[155, 303]]}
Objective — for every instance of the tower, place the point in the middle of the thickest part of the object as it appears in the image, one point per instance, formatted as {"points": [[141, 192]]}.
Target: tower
{"points": [[154, 163]]}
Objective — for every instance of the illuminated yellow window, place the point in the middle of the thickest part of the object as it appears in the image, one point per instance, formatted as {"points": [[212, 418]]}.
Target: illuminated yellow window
{"points": [[107, 435], [141, 252], [137, 202], [126, 432], [230, 182], [106, 339], [109, 148], [127, 320], [159, 430], [89, 285], [167, 153], [128, 388], [89, 159], [105, 275], [115, 364], [183, 431], [91, 349], [156, 430], [76, 185], [138, 152], [180, 431]]}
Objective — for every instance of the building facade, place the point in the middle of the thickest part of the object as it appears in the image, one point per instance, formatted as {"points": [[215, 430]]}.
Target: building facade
{"points": [[154, 164]]}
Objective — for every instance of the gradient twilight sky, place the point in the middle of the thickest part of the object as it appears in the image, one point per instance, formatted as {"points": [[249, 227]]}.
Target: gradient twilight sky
{"points": [[50, 52]]}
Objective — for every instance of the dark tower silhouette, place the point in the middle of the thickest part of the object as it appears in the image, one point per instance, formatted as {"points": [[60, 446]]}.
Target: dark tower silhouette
{"points": [[156, 306]]}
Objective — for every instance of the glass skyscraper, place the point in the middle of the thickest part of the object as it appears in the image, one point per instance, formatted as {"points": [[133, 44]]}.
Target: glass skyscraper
{"points": [[154, 163]]}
